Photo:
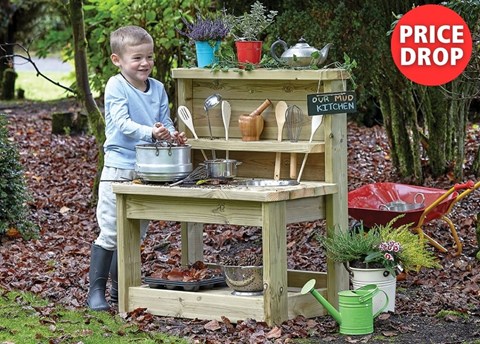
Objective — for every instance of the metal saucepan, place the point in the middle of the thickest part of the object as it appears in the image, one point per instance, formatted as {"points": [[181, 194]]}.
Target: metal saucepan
{"points": [[221, 168], [163, 161]]}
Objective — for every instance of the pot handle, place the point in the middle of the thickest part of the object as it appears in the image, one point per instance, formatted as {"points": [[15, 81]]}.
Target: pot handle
{"points": [[384, 207], [238, 163], [384, 306], [272, 49], [422, 198]]}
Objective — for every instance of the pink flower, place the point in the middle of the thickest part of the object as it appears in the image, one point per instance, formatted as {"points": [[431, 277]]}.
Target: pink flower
{"points": [[388, 256], [396, 247]]}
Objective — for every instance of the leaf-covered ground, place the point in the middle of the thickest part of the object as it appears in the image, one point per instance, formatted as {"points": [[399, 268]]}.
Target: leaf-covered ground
{"points": [[60, 171]]}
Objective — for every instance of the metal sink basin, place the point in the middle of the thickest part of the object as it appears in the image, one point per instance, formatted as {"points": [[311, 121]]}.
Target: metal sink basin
{"points": [[269, 182]]}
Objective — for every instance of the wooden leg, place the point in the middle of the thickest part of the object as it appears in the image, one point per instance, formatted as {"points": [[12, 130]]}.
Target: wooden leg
{"points": [[128, 248], [274, 241], [192, 242]]}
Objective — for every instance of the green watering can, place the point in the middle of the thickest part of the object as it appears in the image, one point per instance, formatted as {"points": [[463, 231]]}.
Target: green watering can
{"points": [[355, 307]]}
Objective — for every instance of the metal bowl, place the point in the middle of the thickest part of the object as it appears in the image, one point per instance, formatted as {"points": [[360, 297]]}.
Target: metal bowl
{"points": [[244, 278]]}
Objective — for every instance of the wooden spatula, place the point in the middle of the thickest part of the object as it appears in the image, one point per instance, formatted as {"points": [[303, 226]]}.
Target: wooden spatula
{"points": [[280, 109]]}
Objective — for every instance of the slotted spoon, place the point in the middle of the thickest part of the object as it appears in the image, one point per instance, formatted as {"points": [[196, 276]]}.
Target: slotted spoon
{"points": [[316, 121], [186, 117]]}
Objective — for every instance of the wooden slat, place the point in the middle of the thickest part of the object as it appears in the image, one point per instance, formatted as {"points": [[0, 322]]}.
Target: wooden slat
{"points": [[298, 278], [212, 304], [204, 211], [208, 304]]}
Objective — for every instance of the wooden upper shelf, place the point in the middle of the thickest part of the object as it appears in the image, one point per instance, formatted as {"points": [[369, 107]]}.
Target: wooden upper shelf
{"points": [[259, 146], [262, 74]]}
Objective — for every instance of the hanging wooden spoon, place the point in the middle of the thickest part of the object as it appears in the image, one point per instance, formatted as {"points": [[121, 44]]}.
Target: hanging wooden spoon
{"points": [[280, 110], [316, 121]]}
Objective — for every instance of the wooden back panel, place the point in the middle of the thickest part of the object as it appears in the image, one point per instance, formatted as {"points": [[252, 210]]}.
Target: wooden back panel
{"points": [[245, 91]]}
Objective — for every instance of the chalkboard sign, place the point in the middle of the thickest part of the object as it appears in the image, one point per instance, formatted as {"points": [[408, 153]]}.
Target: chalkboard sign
{"points": [[331, 103]]}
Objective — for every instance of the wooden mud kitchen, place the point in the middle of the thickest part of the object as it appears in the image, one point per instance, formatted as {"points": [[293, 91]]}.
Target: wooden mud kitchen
{"points": [[321, 194]]}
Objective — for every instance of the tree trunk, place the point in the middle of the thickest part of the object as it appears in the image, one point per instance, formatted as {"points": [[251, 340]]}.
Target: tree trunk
{"points": [[7, 35], [476, 163], [95, 118], [8, 84], [433, 106]]}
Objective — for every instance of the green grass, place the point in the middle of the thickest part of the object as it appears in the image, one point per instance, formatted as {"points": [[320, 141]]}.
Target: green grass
{"points": [[26, 319], [39, 88]]}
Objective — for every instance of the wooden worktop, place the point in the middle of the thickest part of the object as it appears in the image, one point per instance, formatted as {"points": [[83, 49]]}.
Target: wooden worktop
{"points": [[230, 192]]}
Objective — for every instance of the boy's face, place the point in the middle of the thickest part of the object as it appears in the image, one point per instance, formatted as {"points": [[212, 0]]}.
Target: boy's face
{"points": [[135, 63]]}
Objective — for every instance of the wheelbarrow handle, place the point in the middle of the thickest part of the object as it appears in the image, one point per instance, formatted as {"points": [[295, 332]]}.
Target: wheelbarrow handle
{"points": [[468, 185], [470, 189]]}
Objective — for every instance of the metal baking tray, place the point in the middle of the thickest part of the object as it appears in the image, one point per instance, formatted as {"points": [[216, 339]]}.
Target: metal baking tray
{"points": [[209, 283]]}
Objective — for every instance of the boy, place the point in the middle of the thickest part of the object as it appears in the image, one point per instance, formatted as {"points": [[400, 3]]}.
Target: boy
{"points": [[136, 112]]}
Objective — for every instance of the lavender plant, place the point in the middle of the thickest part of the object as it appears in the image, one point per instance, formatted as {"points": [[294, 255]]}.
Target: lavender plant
{"points": [[205, 29]]}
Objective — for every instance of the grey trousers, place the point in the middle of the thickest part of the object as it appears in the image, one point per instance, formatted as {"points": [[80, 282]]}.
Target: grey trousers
{"points": [[107, 210]]}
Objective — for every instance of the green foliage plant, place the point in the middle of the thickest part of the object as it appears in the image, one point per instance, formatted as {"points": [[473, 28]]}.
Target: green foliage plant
{"points": [[250, 25], [14, 211], [350, 245], [158, 17], [382, 246]]}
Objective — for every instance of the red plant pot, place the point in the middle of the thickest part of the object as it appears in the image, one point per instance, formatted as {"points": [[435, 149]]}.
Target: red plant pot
{"points": [[249, 52]]}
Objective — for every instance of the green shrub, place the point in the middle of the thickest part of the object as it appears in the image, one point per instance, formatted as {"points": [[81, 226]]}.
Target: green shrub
{"points": [[14, 211]]}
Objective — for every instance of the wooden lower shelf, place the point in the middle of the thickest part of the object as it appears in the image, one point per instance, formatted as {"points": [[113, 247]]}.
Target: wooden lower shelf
{"points": [[212, 304]]}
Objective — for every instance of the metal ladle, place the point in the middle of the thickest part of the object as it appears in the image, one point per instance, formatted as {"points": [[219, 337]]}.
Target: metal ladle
{"points": [[210, 103]]}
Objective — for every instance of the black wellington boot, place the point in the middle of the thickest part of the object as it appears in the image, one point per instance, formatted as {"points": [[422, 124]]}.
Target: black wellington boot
{"points": [[100, 261], [114, 278]]}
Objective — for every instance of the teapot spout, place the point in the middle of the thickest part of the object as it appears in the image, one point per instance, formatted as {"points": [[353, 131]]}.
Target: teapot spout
{"points": [[309, 287], [323, 53]]}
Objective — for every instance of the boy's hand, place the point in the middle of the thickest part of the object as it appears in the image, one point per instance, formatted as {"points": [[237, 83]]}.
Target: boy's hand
{"points": [[181, 138], [159, 132]]}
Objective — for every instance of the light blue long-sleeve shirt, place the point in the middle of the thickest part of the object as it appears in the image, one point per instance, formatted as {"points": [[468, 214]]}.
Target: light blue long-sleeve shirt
{"points": [[129, 117]]}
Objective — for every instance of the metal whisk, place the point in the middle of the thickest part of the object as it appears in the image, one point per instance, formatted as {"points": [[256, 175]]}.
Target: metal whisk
{"points": [[197, 174], [294, 122]]}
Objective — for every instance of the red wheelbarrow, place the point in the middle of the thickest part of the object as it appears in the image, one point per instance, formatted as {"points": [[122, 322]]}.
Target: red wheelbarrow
{"points": [[379, 203]]}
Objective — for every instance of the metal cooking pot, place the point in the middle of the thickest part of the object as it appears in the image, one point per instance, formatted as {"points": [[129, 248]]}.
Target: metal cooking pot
{"points": [[221, 168], [418, 203], [163, 161]]}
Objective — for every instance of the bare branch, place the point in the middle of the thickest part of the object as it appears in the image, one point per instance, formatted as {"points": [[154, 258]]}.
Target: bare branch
{"points": [[28, 58]]}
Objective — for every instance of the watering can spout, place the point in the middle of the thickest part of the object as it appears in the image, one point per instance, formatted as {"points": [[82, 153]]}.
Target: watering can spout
{"points": [[309, 287]]}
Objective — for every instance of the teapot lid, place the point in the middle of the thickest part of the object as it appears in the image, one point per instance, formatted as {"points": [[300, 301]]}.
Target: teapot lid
{"points": [[302, 44]]}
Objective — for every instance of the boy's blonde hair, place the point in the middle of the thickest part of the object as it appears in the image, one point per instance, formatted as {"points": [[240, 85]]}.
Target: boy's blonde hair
{"points": [[128, 36]]}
